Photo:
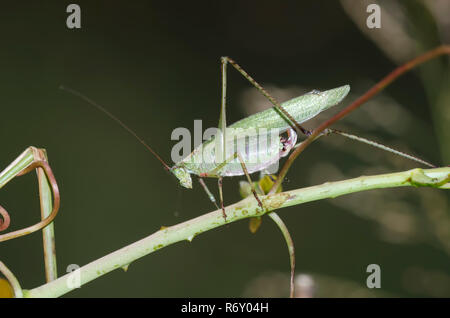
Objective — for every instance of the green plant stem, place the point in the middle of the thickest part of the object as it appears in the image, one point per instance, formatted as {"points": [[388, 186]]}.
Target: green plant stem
{"points": [[23, 161], [438, 178], [291, 249], [48, 232], [18, 293]]}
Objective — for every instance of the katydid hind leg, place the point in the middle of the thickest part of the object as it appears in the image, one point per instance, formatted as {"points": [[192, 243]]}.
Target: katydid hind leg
{"points": [[249, 179], [225, 60], [223, 104]]}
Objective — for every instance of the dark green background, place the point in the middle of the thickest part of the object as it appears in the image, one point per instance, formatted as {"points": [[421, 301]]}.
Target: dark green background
{"points": [[156, 66]]}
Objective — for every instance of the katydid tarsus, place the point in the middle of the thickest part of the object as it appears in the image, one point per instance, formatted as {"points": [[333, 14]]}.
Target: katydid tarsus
{"points": [[285, 117]]}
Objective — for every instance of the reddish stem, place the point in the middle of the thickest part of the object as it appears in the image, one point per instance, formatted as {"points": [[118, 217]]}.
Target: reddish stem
{"points": [[444, 49], [4, 220], [56, 203]]}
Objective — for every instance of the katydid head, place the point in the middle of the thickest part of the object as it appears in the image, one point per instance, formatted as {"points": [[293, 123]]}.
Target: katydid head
{"points": [[183, 176]]}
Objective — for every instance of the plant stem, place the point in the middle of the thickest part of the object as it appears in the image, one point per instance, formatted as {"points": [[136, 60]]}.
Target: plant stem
{"points": [[440, 50], [291, 249], [22, 162], [48, 232], [438, 178], [18, 293], [30, 159]]}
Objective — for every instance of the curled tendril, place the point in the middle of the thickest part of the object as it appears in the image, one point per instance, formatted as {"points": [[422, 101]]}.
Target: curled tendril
{"points": [[43, 223], [5, 219]]}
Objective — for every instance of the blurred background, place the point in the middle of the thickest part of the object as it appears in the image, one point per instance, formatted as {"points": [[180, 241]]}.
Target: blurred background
{"points": [[155, 65]]}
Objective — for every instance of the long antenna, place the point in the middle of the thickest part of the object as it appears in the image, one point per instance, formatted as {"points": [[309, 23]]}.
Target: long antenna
{"points": [[117, 120], [380, 146]]}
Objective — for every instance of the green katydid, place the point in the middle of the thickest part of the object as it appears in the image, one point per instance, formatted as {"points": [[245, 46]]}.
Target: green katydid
{"points": [[285, 117]]}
